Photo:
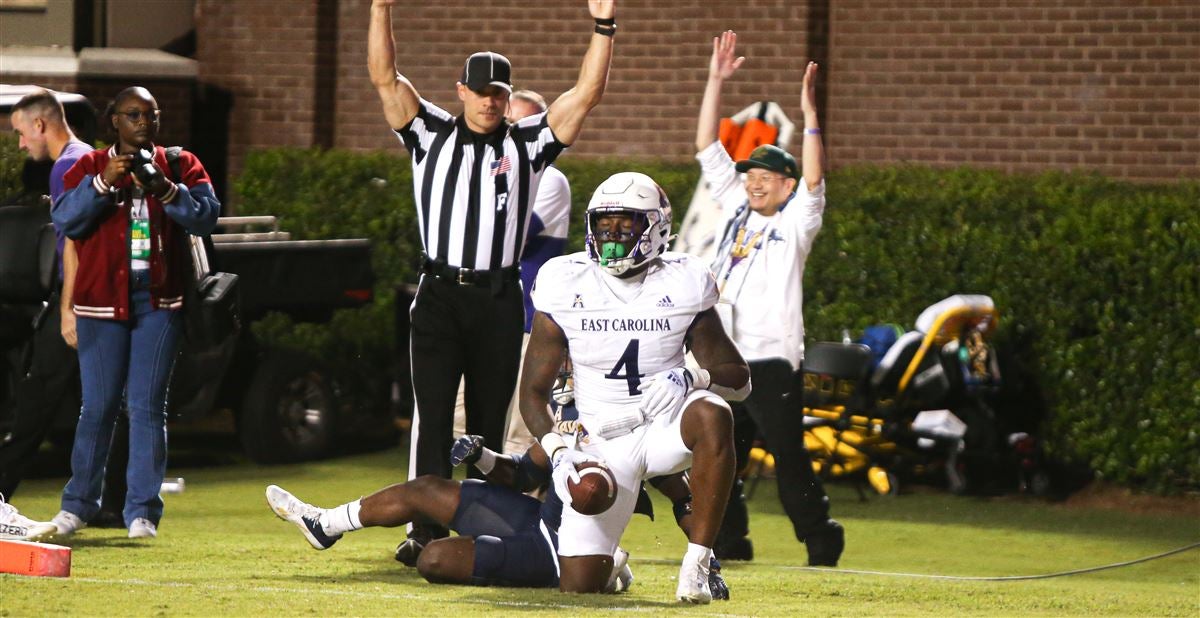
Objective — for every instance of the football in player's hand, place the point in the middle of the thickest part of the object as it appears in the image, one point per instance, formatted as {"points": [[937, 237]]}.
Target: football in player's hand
{"points": [[596, 490]]}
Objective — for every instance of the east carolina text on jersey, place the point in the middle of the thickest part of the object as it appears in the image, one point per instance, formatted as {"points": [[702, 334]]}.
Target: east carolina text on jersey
{"points": [[616, 344], [622, 325]]}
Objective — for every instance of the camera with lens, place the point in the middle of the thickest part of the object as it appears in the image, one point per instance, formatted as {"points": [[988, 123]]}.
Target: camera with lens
{"points": [[143, 168]]}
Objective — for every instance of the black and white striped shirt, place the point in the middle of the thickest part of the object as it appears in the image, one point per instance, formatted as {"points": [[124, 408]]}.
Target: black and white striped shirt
{"points": [[474, 192]]}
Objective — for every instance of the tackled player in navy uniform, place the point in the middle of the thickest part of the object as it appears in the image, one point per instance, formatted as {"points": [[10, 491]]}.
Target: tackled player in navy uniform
{"points": [[625, 311], [505, 538]]}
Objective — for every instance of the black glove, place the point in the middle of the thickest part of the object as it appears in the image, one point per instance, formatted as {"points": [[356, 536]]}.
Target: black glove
{"points": [[466, 449]]}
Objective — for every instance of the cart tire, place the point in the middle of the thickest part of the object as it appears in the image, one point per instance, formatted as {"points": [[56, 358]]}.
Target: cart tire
{"points": [[289, 411]]}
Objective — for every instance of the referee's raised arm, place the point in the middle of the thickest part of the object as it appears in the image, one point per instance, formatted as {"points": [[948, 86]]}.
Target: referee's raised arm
{"points": [[400, 98], [566, 114]]}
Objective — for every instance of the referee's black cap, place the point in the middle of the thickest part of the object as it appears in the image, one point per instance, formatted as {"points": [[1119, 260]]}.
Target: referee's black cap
{"points": [[485, 69]]}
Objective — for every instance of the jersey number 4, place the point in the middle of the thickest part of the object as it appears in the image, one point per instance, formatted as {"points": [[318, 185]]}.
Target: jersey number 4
{"points": [[628, 362]]}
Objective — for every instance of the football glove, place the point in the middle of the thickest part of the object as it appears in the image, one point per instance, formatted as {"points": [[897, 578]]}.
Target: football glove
{"points": [[565, 461], [466, 449], [664, 392]]}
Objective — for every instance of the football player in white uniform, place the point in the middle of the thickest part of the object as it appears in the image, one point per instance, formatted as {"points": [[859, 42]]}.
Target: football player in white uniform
{"points": [[625, 310]]}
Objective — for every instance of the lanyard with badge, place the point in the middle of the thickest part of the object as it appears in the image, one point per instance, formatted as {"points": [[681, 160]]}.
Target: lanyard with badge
{"points": [[744, 244], [139, 229]]}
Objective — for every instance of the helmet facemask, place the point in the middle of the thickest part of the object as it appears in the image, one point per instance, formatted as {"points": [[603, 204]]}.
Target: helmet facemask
{"points": [[621, 250], [618, 247]]}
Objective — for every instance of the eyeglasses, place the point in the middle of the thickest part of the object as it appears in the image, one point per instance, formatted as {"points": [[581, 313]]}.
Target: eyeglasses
{"points": [[137, 114], [764, 178]]}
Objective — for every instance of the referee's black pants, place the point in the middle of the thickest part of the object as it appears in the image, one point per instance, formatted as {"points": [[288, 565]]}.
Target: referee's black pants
{"points": [[771, 412], [463, 332]]}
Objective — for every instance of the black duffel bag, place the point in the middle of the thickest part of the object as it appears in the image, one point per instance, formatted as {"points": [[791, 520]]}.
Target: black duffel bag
{"points": [[211, 307], [211, 310]]}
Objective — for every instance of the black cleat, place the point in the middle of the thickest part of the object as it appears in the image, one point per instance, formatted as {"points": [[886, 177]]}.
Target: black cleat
{"points": [[716, 583], [826, 544], [408, 552]]}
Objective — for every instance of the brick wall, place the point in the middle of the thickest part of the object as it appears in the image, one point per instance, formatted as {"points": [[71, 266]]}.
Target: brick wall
{"points": [[1110, 85], [264, 53]]}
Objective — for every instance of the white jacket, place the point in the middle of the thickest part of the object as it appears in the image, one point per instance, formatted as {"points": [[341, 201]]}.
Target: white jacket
{"points": [[761, 295]]}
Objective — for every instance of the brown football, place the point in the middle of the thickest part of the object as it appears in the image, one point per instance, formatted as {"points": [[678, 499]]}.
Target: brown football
{"points": [[596, 490]]}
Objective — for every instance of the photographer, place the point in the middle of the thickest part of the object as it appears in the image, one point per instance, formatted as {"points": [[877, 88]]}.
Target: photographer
{"points": [[127, 218]]}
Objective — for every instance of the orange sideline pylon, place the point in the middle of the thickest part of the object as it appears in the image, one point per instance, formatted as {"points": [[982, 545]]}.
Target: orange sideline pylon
{"points": [[35, 559]]}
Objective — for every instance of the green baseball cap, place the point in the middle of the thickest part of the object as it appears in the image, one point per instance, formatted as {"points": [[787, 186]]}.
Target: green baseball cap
{"points": [[772, 158]]}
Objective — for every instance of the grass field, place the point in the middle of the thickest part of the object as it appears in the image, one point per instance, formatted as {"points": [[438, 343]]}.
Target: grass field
{"points": [[222, 552]]}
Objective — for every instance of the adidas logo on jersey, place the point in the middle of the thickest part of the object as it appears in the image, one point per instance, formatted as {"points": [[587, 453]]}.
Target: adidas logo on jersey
{"points": [[665, 302], [578, 304]]}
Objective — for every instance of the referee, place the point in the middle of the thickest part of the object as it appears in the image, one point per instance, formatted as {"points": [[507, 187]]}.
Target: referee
{"points": [[474, 180]]}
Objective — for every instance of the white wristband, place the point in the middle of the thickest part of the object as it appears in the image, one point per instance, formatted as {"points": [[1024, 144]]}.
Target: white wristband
{"points": [[552, 443], [701, 378]]}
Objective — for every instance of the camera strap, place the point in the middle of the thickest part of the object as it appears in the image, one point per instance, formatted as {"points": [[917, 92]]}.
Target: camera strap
{"points": [[173, 162]]}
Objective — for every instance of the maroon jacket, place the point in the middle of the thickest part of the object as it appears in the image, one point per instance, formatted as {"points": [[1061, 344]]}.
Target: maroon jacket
{"points": [[96, 217]]}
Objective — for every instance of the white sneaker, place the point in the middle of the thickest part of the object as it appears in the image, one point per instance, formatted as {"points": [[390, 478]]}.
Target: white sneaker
{"points": [[142, 528], [67, 523], [306, 516], [693, 580], [16, 526], [621, 577]]}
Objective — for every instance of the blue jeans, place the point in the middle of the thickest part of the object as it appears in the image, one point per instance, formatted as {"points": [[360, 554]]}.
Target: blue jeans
{"points": [[133, 357]]}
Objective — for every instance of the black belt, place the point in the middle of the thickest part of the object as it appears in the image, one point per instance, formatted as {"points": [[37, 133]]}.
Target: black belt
{"points": [[469, 276]]}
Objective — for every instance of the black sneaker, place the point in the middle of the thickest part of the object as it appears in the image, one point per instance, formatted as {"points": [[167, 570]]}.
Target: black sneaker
{"points": [[408, 552], [716, 583], [825, 545]]}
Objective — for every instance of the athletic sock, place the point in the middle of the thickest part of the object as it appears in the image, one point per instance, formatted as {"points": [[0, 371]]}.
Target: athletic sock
{"points": [[487, 461], [699, 553], [341, 519]]}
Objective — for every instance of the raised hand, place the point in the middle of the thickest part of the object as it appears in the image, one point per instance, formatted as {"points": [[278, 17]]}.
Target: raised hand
{"points": [[602, 9], [808, 98], [725, 60]]}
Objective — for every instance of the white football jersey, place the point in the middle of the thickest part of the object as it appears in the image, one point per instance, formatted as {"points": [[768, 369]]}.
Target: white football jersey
{"points": [[614, 343]]}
